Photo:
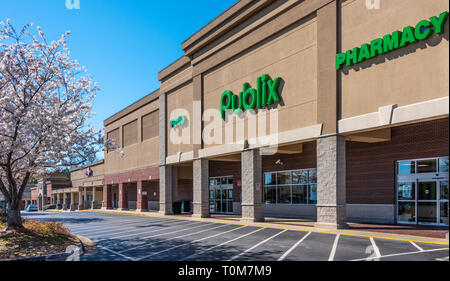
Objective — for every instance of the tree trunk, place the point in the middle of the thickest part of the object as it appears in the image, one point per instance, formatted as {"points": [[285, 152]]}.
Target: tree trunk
{"points": [[14, 219]]}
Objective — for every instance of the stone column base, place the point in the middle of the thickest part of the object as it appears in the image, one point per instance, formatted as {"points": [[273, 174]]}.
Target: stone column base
{"points": [[201, 216], [250, 220], [80, 207], [331, 217], [251, 213], [122, 209], [107, 208], [331, 226], [141, 210], [72, 207]]}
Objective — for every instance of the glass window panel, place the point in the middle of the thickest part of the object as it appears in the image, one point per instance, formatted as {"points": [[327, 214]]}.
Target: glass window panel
{"points": [[269, 179], [269, 194], [426, 212], [284, 195], [211, 181], [230, 180], [224, 180], [313, 176], [426, 166], [406, 167], [443, 165], [299, 194], [406, 191], [444, 190], [313, 194], [211, 194], [406, 212], [444, 213], [300, 177], [427, 191], [283, 178]]}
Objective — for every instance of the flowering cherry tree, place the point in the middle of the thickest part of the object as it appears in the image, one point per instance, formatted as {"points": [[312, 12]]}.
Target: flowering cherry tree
{"points": [[45, 102]]}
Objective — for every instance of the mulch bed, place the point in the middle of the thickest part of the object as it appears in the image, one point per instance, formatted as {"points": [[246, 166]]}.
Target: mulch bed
{"points": [[25, 243]]}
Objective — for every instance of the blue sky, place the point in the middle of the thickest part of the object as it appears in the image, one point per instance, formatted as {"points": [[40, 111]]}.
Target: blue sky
{"points": [[123, 44]]}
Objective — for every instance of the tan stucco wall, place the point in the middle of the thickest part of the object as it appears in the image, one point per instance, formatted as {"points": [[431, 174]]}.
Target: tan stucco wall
{"points": [[416, 73], [291, 55], [181, 98], [139, 155], [78, 177]]}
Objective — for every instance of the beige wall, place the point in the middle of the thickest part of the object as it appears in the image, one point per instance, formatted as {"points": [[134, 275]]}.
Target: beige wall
{"points": [[291, 55], [139, 155], [181, 98], [78, 177], [410, 75]]}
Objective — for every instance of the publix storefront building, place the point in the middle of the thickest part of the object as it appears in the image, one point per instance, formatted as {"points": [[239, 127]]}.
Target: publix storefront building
{"points": [[319, 109]]}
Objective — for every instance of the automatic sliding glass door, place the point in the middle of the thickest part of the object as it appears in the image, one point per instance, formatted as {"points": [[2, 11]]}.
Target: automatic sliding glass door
{"points": [[221, 195]]}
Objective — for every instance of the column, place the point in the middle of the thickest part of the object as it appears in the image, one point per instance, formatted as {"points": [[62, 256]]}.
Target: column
{"points": [[93, 198], [72, 201], [64, 201], [251, 186], [165, 189], [59, 201], [201, 188], [80, 200], [331, 201], [123, 197], [85, 201], [142, 201], [107, 199]]}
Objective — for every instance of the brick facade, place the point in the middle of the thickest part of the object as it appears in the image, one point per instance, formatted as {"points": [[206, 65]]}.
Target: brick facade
{"points": [[371, 166]]}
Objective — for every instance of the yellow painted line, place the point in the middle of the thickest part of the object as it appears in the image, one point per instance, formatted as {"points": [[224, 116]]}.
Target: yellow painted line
{"points": [[272, 227]]}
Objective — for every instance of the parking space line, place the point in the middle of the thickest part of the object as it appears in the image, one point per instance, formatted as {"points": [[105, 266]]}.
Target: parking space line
{"points": [[155, 230], [293, 247], [201, 239], [375, 248], [333, 250], [105, 223], [116, 253], [184, 235], [112, 229], [417, 246], [403, 254], [255, 246], [224, 243]]}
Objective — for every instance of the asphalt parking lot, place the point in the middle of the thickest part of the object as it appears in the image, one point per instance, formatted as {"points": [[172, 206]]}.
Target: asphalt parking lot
{"points": [[141, 238]]}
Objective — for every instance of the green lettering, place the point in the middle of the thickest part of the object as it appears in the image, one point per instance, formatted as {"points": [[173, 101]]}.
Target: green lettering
{"points": [[258, 92], [225, 102], [439, 23], [391, 43], [376, 47], [364, 53], [273, 94], [352, 56], [264, 79], [422, 30], [340, 60], [407, 36]]}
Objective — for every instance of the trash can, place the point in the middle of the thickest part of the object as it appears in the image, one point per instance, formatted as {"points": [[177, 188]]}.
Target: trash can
{"points": [[186, 206], [176, 206]]}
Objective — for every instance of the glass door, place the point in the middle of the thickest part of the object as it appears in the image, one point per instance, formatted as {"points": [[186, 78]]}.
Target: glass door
{"points": [[221, 195], [422, 191]]}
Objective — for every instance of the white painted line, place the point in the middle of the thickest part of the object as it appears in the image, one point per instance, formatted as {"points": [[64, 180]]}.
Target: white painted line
{"points": [[375, 248], [145, 232], [255, 246], [224, 243], [112, 229], [293, 247], [333, 250], [417, 246], [116, 253], [404, 254], [106, 225], [201, 239], [165, 240]]}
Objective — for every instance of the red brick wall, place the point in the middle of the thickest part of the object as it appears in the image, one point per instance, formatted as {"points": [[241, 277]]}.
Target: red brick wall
{"points": [[185, 190], [304, 160], [136, 175], [371, 167]]}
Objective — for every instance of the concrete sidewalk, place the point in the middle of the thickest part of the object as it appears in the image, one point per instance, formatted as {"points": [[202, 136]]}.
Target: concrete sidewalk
{"points": [[393, 232]]}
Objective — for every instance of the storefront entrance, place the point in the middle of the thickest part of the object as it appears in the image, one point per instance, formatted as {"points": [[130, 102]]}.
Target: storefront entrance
{"points": [[221, 195], [422, 191]]}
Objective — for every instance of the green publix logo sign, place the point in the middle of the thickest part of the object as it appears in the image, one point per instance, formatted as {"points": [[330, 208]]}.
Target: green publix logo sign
{"points": [[265, 94], [390, 42]]}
